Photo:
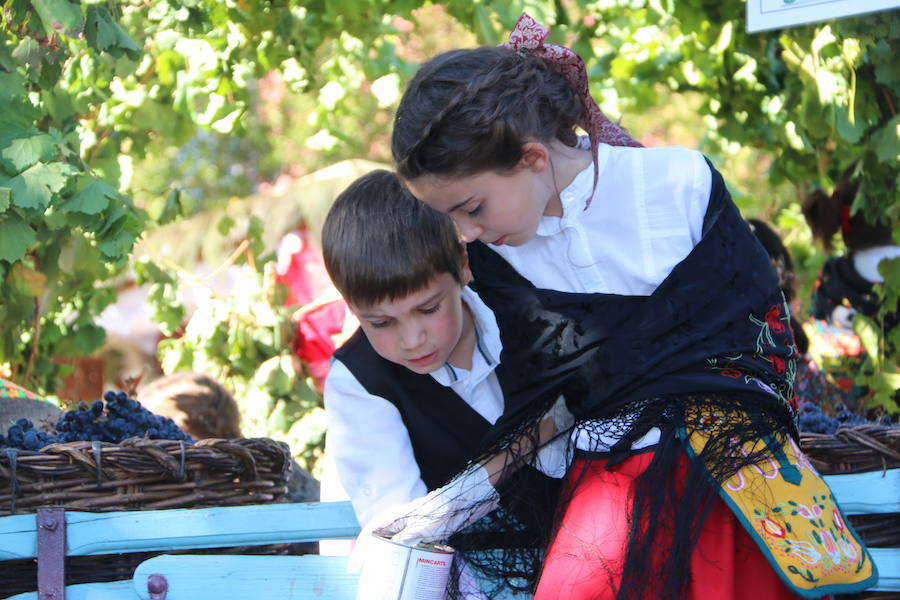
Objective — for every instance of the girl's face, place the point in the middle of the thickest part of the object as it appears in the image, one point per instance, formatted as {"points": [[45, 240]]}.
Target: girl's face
{"points": [[496, 208]]}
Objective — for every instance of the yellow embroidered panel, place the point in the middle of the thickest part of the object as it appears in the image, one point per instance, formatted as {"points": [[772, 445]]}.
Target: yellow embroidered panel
{"points": [[792, 515]]}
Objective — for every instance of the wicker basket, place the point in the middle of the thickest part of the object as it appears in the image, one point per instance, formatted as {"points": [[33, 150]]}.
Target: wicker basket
{"points": [[860, 449], [136, 474], [854, 449]]}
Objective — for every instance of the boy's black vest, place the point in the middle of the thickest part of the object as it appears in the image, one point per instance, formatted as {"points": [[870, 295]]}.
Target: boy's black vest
{"points": [[445, 432]]}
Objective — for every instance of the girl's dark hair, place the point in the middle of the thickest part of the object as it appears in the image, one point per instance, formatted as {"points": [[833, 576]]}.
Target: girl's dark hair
{"points": [[380, 243], [827, 214], [778, 254], [468, 111]]}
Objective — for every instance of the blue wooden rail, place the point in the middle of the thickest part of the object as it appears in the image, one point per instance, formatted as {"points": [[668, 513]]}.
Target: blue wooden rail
{"points": [[230, 577]]}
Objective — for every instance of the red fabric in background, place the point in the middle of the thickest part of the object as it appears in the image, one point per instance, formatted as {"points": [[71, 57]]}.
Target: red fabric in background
{"points": [[306, 280], [305, 276], [314, 342], [584, 561]]}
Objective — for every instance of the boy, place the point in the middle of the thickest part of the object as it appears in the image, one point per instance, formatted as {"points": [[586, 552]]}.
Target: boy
{"points": [[413, 392]]}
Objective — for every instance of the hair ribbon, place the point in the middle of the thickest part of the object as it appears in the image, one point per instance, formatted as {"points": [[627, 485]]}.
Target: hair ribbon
{"points": [[528, 36]]}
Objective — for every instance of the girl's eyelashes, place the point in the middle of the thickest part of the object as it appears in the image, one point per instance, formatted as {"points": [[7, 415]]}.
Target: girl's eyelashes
{"points": [[474, 211], [431, 309], [379, 324]]}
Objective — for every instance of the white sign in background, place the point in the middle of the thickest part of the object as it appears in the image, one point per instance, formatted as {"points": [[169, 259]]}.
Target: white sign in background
{"points": [[774, 14]]}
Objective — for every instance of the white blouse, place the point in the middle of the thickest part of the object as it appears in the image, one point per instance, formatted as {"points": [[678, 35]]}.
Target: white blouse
{"points": [[646, 215]]}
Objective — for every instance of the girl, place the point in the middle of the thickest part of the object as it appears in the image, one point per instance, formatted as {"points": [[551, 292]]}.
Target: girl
{"points": [[670, 340]]}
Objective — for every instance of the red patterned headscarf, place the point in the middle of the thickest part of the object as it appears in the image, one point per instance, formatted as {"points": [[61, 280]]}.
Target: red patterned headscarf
{"points": [[528, 36]]}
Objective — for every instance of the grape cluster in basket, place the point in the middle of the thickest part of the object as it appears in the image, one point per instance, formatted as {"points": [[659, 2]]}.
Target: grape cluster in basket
{"points": [[813, 420], [113, 419]]}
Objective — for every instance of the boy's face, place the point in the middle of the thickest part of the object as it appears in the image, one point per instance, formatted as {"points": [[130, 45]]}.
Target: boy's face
{"points": [[424, 330]]}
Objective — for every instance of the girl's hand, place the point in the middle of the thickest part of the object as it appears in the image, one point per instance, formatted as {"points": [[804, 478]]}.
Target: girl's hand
{"points": [[444, 511]]}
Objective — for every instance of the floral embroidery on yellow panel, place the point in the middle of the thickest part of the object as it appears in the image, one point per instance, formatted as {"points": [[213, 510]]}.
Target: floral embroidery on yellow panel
{"points": [[789, 509]]}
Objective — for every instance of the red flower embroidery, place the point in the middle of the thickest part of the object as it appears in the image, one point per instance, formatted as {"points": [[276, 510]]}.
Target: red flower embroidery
{"points": [[773, 319], [778, 363], [732, 373], [772, 528]]}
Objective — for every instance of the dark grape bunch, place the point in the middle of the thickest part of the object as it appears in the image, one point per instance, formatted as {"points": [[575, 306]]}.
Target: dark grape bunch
{"points": [[813, 420], [116, 419]]}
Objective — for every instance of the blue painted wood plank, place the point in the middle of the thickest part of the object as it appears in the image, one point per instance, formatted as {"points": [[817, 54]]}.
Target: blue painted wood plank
{"points": [[18, 537], [179, 529], [888, 562], [232, 577], [867, 493], [115, 590]]}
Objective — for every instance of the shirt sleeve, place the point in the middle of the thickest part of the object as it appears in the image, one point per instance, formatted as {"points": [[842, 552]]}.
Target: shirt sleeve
{"points": [[370, 446]]}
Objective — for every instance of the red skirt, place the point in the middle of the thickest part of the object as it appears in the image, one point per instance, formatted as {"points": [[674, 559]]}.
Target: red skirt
{"points": [[584, 561]]}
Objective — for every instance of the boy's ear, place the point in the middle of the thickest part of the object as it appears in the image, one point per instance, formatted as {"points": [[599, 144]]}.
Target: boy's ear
{"points": [[464, 270], [535, 156]]}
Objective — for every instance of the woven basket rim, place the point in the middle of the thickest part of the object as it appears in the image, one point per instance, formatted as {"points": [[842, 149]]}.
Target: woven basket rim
{"points": [[138, 474]]}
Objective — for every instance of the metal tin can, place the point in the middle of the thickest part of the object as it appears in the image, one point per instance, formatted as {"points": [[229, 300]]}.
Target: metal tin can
{"points": [[395, 571]]}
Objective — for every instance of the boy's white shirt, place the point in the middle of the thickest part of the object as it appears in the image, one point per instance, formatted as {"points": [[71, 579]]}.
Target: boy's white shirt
{"points": [[645, 217]]}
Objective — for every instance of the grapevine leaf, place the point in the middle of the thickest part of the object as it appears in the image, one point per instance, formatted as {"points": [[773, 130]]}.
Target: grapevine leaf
{"points": [[869, 337], [24, 152], [224, 225], [59, 16], [851, 132], [16, 237], [886, 141], [105, 35], [118, 245], [34, 187], [26, 280], [89, 337], [12, 85], [6, 61], [92, 200], [29, 52], [172, 209], [890, 271]]}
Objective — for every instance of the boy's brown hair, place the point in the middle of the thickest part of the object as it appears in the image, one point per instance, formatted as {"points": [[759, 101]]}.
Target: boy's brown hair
{"points": [[380, 243], [198, 404]]}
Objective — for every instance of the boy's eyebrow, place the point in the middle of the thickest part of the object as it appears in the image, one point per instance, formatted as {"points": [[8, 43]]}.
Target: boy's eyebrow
{"points": [[430, 299]]}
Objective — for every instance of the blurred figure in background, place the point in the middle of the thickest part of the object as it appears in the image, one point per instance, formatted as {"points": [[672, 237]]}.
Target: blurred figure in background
{"points": [[203, 408], [198, 404], [844, 287]]}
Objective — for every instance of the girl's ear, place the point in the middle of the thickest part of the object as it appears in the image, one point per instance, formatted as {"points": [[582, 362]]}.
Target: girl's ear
{"points": [[535, 156], [465, 271]]}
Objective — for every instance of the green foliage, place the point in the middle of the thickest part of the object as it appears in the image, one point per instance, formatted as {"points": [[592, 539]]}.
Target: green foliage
{"points": [[113, 117], [243, 340], [65, 229], [87, 89]]}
